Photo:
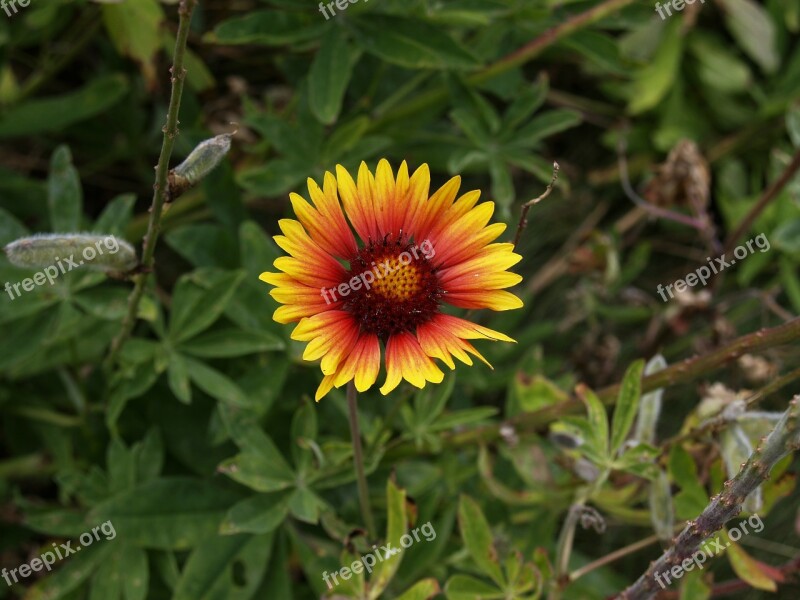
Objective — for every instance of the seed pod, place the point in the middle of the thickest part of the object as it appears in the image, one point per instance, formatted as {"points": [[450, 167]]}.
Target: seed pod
{"points": [[662, 515], [649, 405], [67, 251], [202, 160], [736, 449]]}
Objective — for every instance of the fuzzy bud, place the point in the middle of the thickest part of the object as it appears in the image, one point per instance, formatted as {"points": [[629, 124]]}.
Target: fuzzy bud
{"points": [[649, 405], [95, 252], [203, 159], [736, 449], [661, 511]]}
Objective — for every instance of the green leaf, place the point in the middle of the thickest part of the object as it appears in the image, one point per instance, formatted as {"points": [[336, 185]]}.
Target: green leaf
{"points": [[261, 513], [64, 194], [464, 587], [753, 28], [269, 27], [229, 342], [329, 76], [136, 572], [719, 67], [260, 465], [59, 112], [694, 587], [478, 539], [205, 244], [396, 527], [304, 429], [600, 48], [257, 248], [305, 505], [69, 576], [228, 568], [26, 336], [194, 308], [754, 572], [134, 29], [692, 498], [545, 125], [178, 377], [411, 43], [422, 590], [527, 102], [115, 215], [598, 419], [173, 513], [215, 384], [627, 405], [652, 83]]}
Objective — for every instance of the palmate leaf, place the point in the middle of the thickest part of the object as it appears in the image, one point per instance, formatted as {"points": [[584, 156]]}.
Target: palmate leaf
{"points": [[330, 74], [169, 513], [54, 114], [228, 568], [411, 43]]}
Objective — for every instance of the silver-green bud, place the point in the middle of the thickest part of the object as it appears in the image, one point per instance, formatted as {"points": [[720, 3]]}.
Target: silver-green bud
{"points": [[736, 449], [662, 514], [649, 405], [201, 161], [68, 251]]}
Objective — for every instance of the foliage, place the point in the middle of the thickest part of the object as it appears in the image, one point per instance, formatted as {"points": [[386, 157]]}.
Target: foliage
{"points": [[202, 445]]}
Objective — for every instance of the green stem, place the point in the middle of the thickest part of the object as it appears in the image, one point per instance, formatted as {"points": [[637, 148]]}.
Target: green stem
{"points": [[518, 57], [681, 372], [161, 188], [358, 460]]}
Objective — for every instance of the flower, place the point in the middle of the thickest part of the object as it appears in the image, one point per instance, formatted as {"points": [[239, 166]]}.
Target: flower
{"points": [[413, 254]]}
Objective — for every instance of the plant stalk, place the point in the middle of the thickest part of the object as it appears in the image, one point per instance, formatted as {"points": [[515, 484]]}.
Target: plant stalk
{"points": [[782, 440], [358, 459], [160, 188]]}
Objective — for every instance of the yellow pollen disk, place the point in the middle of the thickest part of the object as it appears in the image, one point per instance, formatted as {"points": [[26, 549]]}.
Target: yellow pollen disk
{"points": [[398, 281]]}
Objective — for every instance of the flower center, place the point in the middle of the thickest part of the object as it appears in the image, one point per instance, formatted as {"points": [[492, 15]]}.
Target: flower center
{"points": [[397, 287]]}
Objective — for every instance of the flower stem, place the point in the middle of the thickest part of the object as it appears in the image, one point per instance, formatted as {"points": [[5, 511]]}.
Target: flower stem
{"points": [[784, 439], [161, 188], [358, 459]]}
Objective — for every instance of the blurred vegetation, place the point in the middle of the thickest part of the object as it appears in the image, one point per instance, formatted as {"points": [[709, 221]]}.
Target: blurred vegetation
{"points": [[223, 479]]}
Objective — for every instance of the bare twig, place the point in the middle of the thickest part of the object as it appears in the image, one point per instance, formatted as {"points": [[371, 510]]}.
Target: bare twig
{"points": [[769, 195], [681, 372], [160, 188], [519, 57], [785, 438], [652, 209], [523, 218]]}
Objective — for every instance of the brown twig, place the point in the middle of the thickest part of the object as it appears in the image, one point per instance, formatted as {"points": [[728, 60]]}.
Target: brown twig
{"points": [[681, 372], [519, 57], [523, 220], [782, 440], [768, 196]]}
